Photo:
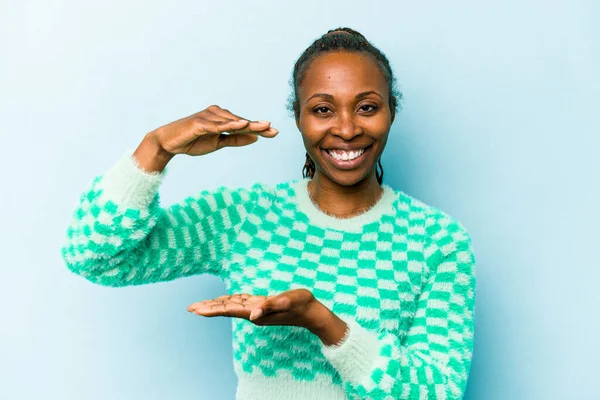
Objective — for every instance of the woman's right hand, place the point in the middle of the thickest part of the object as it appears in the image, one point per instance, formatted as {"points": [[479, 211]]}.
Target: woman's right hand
{"points": [[203, 132], [199, 134]]}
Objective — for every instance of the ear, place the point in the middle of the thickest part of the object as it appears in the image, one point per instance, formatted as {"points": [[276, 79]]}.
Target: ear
{"points": [[392, 104], [296, 114]]}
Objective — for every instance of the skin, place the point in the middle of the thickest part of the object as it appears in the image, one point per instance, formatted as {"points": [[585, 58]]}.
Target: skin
{"points": [[340, 118], [331, 115], [296, 307]]}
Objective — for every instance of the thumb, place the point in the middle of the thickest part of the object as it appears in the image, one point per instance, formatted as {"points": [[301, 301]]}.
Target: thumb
{"points": [[236, 140], [276, 304]]}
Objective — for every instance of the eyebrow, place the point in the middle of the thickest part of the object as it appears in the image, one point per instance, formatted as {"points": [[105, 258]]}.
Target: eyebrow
{"points": [[358, 96]]}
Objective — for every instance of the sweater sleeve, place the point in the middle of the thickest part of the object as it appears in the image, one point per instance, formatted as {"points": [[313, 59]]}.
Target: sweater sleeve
{"points": [[434, 360], [119, 235]]}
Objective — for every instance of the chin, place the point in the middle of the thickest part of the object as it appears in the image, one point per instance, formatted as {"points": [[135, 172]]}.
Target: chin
{"points": [[347, 178]]}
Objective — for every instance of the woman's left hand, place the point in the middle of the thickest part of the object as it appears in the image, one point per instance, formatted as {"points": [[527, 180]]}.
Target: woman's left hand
{"points": [[296, 307]]}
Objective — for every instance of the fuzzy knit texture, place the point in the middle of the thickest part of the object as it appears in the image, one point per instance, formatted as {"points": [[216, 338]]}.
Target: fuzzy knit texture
{"points": [[401, 275]]}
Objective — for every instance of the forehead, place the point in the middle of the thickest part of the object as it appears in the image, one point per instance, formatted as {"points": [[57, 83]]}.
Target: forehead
{"points": [[342, 73]]}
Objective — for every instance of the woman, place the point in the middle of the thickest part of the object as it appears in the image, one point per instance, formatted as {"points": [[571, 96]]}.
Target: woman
{"points": [[338, 285]]}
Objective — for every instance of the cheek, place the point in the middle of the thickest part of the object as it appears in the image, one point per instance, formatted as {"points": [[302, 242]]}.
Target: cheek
{"points": [[313, 131], [378, 125]]}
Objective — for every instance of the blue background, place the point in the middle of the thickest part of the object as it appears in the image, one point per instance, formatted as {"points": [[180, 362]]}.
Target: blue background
{"points": [[499, 129]]}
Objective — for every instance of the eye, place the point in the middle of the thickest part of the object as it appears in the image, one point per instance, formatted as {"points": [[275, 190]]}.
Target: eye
{"points": [[321, 110], [365, 107]]}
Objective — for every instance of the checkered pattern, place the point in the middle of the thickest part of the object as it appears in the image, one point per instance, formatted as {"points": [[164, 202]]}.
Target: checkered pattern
{"points": [[404, 282], [120, 236]]}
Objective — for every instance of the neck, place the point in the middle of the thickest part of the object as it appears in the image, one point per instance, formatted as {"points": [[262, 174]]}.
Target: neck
{"points": [[344, 201]]}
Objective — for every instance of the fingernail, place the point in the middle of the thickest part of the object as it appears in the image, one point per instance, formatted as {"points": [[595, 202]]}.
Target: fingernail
{"points": [[263, 122]]}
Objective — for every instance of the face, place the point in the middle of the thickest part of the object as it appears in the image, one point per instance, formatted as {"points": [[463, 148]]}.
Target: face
{"points": [[344, 116]]}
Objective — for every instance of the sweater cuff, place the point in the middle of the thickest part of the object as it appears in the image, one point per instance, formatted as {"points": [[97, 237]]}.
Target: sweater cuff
{"points": [[128, 185], [355, 355]]}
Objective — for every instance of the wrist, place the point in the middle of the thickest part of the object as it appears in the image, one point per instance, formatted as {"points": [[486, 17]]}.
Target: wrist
{"points": [[326, 325], [150, 155]]}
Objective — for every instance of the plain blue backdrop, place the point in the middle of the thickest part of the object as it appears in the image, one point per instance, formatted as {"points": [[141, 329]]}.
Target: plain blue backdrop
{"points": [[499, 128]]}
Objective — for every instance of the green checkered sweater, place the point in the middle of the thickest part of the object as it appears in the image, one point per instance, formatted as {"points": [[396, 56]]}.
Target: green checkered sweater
{"points": [[401, 275]]}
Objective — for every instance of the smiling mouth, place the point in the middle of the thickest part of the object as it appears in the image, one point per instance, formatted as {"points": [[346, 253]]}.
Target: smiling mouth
{"points": [[343, 159]]}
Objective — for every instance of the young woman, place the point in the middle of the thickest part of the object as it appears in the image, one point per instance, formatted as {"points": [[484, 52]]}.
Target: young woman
{"points": [[338, 285]]}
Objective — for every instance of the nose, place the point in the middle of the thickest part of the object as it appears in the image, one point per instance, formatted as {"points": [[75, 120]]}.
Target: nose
{"points": [[345, 126]]}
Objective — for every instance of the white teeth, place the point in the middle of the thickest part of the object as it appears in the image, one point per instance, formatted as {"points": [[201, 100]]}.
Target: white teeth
{"points": [[345, 155]]}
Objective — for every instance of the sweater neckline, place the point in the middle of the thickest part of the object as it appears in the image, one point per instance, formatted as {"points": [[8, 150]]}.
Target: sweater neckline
{"points": [[384, 205]]}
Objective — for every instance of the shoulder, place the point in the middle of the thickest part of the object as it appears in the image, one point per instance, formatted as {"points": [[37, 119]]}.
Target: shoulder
{"points": [[437, 225], [444, 237]]}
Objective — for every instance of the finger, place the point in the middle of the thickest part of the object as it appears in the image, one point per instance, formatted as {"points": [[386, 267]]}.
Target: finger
{"points": [[238, 140], [263, 127], [238, 298], [273, 319], [253, 301], [226, 309], [217, 117], [227, 114], [241, 295], [278, 304], [256, 313], [268, 133], [210, 310], [208, 303], [239, 127], [196, 305], [201, 305], [204, 125], [254, 127], [246, 300]]}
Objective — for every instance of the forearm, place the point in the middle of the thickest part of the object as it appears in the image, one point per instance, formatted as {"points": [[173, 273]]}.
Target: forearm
{"points": [[376, 364]]}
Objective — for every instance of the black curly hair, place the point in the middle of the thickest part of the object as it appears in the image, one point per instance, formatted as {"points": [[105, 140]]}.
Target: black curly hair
{"points": [[340, 39]]}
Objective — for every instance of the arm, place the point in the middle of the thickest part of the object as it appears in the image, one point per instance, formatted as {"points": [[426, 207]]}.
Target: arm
{"points": [[434, 360], [119, 235]]}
